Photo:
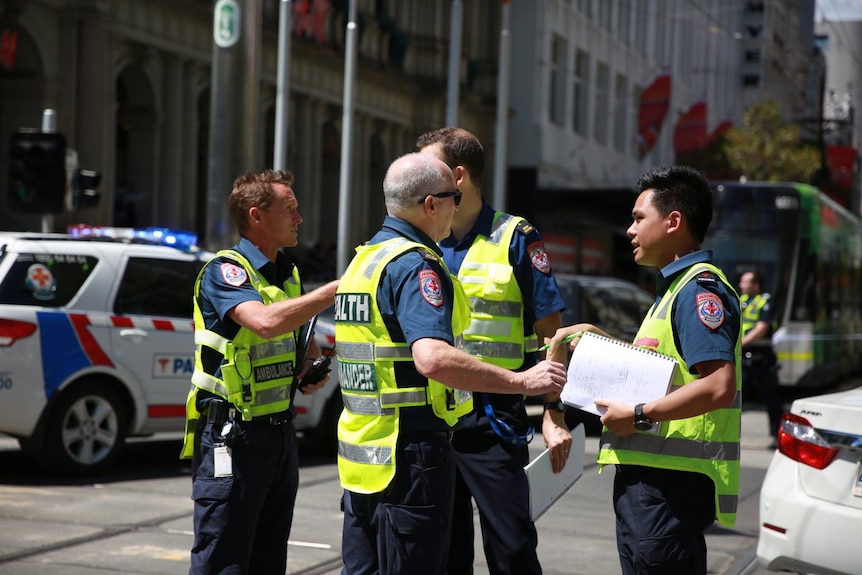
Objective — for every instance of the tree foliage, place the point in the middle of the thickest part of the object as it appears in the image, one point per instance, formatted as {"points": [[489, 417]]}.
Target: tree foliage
{"points": [[766, 148]]}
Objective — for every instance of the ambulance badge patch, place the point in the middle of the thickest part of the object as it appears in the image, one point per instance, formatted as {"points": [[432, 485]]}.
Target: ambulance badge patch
{"points": [[539, 257], [233, 275], [429, 283], [710, 310]]}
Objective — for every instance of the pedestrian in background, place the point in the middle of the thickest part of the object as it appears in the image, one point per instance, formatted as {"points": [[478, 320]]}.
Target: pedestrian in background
{"points": [[671, 484], [248, 310], [398, 313], [515, 303], [759, 364]]}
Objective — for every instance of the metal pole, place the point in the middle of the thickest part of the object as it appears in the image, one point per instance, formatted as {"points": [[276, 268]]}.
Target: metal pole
{"points": [[49, 126], [455, 33], [282, 88], [344, 196], [501, 149]]}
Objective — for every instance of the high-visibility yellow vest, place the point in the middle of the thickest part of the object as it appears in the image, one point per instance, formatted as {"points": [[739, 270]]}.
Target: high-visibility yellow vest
{"points": [[707, 443], [257, 373], [751, 310], [373, 402], [496, 332]]}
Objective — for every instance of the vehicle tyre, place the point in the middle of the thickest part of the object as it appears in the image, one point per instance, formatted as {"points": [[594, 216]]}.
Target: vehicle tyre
{"points": [[86, 430]]}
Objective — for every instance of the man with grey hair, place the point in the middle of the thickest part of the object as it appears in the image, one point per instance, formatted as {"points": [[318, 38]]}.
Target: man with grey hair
{"points": [[398, 313]]}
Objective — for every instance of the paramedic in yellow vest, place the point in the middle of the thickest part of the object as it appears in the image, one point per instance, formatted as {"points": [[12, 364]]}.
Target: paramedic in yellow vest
{"points": [[505, 271], [759, 364], [676, 458], [248, 306], [398, 315]]}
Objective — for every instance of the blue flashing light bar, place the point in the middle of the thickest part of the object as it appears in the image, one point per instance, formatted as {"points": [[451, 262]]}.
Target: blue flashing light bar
{"points": [[180, 239]]}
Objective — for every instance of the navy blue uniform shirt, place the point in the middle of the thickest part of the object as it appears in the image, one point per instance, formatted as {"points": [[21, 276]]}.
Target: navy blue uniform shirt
{"points": [[412, 309], [697, 340]]}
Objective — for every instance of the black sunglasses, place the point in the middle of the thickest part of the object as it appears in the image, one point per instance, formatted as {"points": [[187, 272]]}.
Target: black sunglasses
{"points": [[454, 194]]}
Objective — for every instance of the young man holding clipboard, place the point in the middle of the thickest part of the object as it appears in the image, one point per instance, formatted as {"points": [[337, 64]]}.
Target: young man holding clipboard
{"points": [[671, 485]]}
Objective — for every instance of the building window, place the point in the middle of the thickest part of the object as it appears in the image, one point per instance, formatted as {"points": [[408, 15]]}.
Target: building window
{"points": [[580, 104], [751, 80], [605, 15], [600, 126], [556, 84], [620, 116], [624, 21]]}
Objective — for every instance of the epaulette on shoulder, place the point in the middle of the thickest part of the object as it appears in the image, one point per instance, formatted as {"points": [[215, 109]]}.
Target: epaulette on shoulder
{"points": [[706, 279], [524, 227], [429, 256]]}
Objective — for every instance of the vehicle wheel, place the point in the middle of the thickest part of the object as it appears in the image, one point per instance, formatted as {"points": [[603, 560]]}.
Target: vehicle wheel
{"points": [[86, 431]]}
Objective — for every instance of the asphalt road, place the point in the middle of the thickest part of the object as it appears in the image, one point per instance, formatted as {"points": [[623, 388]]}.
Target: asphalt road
{"points": [[137, 520]]}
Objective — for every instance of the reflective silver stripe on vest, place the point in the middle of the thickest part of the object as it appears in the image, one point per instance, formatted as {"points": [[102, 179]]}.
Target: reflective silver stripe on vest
{"points": [[271, 348], [367, 454], [364, 405], [368, 352], [673, 446], [209, 383], [211, 339], [272, 395], [495, 308], [404, 398], [490, 327], [498, 228], [493, 349], [531, 343], [727, 503], [382, 253]]}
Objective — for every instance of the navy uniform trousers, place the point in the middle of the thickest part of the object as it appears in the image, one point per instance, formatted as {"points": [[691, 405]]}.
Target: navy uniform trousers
{"points": [[242, 522], [677, 506], [491, 471], [404, 529]]}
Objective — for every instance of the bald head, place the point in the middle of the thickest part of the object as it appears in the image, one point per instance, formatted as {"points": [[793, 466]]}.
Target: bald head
{"points": [[411, 178]]}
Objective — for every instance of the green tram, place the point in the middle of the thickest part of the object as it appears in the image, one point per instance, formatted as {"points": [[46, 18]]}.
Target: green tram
{"points": [[809, 250]]}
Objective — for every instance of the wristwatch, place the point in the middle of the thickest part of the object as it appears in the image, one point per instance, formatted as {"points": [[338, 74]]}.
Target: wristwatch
{"points": [[642, 422], [555, 406]]}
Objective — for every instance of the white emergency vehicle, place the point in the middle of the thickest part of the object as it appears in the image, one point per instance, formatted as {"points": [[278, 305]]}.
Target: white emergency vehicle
{"points": [[97, 342]]}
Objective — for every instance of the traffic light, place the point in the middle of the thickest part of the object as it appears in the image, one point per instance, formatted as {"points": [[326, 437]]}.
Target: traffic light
{"points": [[37, 172], [84, 184]]}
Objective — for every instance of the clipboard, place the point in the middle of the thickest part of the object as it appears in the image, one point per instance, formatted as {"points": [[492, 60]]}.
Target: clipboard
{"points": [[546, 487]]}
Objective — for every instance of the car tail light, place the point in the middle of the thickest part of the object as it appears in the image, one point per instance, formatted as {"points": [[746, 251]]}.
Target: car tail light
{"points": [[12, 330], [798, 440]]}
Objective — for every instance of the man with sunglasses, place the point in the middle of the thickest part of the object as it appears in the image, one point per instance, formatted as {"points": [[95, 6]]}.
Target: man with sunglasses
{"points": [[515, 303], [404, 385]]}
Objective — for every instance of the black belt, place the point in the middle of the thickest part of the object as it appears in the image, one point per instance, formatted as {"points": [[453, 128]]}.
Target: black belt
{"points": [[420, 435], [274, 419]]}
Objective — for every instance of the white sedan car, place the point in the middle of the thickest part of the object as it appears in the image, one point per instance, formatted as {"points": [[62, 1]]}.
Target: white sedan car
{"points": [[811, 498]]}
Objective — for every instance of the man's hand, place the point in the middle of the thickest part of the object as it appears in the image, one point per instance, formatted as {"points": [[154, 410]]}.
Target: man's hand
{"points": [[544, 377], [558, 439], [619, 416]]}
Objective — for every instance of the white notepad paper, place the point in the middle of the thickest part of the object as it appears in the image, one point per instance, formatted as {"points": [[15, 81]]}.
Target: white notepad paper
{"points": [[605, 368], [545, 485]]}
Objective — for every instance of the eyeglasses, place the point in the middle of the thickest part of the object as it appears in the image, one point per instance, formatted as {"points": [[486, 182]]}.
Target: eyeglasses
{"points": [[454, 194]]}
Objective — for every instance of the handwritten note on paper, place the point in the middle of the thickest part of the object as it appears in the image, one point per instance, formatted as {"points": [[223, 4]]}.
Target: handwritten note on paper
{"points": [[606, 368]]}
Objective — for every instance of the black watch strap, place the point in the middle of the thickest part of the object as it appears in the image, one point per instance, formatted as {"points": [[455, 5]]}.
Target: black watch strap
{"points": [[555, 406]]}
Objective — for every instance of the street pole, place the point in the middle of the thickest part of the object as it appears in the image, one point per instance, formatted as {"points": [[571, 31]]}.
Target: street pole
{"points": [[455, 33], [344, 192], [234, 110], [282, 89], [49, 126], [502, 144]]}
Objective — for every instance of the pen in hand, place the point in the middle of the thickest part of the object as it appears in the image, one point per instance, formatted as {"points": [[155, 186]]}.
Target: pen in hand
{"points": [[566, 339]]}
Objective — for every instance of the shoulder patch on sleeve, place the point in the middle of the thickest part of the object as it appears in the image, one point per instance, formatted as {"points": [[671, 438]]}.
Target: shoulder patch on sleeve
{"points": [[524, 227], [232, 274], [710, 310], [539, 257], [429, 285]]}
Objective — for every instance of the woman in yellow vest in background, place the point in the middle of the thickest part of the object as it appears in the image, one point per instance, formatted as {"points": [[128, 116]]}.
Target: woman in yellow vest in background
{"points": [[671, 484]]}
